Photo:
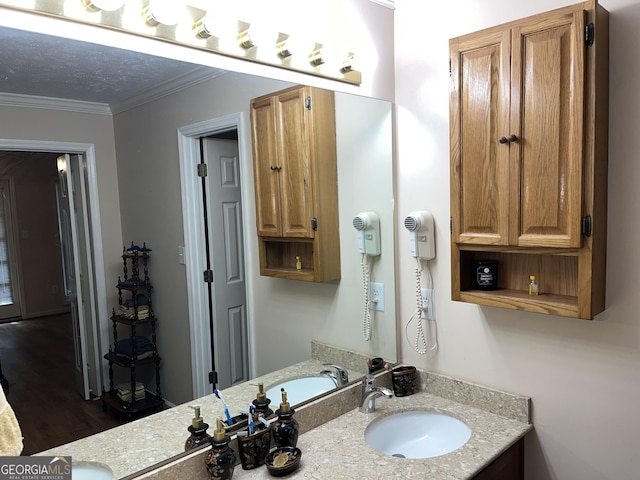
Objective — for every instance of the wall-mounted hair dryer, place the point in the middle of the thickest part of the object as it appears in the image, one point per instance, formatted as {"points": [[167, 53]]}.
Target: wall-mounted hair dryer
{"points": [[421, 237], [368, 226]]}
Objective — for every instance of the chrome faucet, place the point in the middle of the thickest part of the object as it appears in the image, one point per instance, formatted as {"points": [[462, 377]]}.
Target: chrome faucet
{"points": [[336, 372], [370, 392]]}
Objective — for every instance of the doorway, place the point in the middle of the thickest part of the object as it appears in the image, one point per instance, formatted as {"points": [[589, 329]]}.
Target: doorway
{"points": [[93, 335], [237, 359], [224, 234]]}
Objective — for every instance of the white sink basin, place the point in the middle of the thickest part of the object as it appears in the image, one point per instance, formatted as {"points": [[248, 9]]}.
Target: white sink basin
{"points": [[418, 434], [301, 389], [90, 471]]}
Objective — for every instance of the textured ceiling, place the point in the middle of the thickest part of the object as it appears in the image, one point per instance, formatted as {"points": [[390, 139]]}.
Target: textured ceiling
{"points": [[43, 65]]}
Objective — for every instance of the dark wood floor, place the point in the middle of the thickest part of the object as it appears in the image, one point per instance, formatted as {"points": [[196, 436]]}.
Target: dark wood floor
{"points": [[38, 361]]}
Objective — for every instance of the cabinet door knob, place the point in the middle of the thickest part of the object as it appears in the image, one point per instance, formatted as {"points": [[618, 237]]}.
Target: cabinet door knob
{"points": [[512, 138], [503, 140], [274, 168]]}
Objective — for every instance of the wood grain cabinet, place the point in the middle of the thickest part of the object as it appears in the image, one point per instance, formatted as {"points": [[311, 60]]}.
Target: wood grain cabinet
{"points": [[508, 466], [528, 126], [296, 185]]}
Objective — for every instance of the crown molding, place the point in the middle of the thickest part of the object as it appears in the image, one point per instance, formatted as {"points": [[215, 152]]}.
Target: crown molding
{"points": [[175, 85], [34, 101], [187, 80]]}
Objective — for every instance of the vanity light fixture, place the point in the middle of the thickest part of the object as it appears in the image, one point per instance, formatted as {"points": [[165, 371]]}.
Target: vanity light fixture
{"points": [[283, 46], [262, 40], [300, 45], [203, 28], [258, 35], [102, 5], [165, 12], [347, 63], [316, 57]]}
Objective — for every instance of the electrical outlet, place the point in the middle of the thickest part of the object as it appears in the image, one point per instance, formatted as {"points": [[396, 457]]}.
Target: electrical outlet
{"points": [[429, 304], [376, 300]]}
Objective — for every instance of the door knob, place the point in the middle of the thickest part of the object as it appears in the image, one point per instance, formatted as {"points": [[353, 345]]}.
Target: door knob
{"points": [[503, 140], [512, 138]]}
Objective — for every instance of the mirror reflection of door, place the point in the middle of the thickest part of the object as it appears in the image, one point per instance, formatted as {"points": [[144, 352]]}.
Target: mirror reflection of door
{"points": [[10, 305], [222, 193], [73, 235]]}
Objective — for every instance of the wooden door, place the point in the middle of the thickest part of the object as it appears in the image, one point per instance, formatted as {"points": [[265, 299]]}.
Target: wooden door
{"points": [[294, 154], [547, 109], [266, 167], [479, 112]]}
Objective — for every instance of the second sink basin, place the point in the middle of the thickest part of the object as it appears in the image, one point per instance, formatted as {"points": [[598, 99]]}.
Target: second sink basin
{"points": [[301, 389], [417, 434]]}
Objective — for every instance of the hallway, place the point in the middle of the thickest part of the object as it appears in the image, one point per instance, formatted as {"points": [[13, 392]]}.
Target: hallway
{"points": [[38, 361]]}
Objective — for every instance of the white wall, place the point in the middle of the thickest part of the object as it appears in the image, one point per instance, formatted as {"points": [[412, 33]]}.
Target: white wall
{"points": [[583, 376], [149, 181]]}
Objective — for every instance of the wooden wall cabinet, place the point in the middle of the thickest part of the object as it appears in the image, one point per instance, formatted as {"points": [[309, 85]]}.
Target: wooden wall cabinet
{"points": [[528, 126], [296, 184]]}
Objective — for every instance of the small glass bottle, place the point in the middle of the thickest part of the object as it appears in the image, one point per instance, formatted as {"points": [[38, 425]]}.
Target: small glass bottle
{"points": [[533, 285], [298, 264]]}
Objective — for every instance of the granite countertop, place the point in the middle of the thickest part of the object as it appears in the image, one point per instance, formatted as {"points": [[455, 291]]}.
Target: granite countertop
{"points": [[332, 435], [338, 450], [139, 444]]}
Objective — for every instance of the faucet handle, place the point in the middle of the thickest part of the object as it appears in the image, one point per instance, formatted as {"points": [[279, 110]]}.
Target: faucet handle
{"points": [[368, 381]]}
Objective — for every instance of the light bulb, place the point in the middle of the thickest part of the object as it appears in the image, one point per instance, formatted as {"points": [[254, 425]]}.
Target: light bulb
{"points": [[102, 5], [258, 35], [165, 12], [203, 28]]}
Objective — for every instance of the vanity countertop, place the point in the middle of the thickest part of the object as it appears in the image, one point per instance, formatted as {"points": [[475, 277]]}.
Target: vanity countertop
{"points": [[338, 450], [141, 443], [332, 433]]}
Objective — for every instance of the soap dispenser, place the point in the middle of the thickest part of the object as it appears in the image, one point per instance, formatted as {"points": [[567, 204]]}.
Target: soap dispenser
{"points": [[261, 402], [221, 459], [285, 428], [198, 430]]}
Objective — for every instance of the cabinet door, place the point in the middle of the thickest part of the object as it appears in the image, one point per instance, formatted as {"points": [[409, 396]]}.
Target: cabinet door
{"points": [[266, 165], [479, 117], [547, 109], [294, 154]]}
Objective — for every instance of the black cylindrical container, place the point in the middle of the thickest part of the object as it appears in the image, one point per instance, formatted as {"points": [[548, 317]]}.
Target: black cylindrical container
{"points": [[486, 272]]}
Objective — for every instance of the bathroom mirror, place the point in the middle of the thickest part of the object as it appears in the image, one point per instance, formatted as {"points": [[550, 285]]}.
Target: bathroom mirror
{"points": [[286, 315]]}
